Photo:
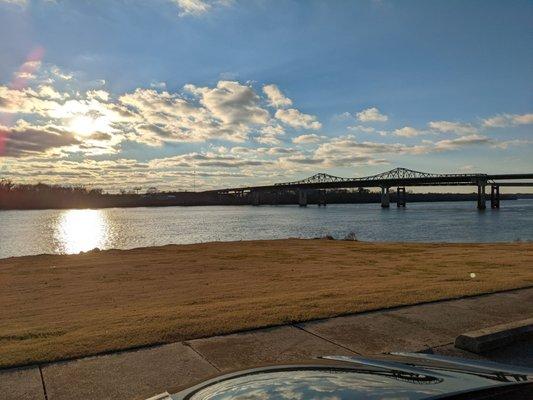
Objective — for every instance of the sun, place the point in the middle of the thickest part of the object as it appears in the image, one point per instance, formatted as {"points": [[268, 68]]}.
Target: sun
{"points": [[86, 125], [83, 125]]}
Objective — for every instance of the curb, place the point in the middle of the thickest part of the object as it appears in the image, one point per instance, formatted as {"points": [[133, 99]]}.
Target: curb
{"points": [[495, 337]]}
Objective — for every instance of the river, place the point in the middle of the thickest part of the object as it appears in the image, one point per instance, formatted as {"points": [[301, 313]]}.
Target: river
{"points": [[72, 231]]}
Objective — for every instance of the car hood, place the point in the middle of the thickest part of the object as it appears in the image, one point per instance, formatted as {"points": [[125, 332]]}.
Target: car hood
{"points": [[356, 378]]}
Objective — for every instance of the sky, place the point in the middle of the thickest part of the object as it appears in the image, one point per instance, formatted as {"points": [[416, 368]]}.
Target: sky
{"points": [[183, 94]]}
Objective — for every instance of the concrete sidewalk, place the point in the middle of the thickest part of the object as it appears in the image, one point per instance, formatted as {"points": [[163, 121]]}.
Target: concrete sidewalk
{"points": [[139, 374]]}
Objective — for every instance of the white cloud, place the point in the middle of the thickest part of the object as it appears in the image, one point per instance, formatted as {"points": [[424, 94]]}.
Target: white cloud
{"points": [[456, 128], [198, 7], [523, 119], [296, 119], [62, 120], [208, 159], [371, 114], [506, 120], [227, 111], [345, 116], [407, 131], [361, 128], [232, 103], [275, 97], [305, 139], [454, 144], [58, 73], [269, 134], [158, 85], [514, 142], [21, 3]]}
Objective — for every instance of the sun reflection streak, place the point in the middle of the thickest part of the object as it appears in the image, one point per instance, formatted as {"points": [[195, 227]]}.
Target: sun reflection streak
{"points": [[81, 230]]}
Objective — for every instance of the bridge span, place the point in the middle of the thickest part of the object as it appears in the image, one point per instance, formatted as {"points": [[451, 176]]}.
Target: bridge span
{"points": [[400, 178]]}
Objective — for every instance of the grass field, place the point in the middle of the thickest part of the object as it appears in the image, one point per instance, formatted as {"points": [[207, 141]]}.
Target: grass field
{"points": [[55, 307]]}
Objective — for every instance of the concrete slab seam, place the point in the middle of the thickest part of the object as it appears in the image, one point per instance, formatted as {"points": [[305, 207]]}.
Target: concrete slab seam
{"points": [[186, 343], [325, 339], [43, 383]]}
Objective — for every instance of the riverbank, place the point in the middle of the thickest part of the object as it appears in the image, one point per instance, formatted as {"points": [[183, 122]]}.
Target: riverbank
{"points": [[64, 306]]}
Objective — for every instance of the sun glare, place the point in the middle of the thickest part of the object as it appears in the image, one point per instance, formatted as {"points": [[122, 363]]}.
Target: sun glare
{"points": [[81, 230], [83, 125]]}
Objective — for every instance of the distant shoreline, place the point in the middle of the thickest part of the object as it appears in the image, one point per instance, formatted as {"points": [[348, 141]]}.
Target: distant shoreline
{"points": [[195, 199]]}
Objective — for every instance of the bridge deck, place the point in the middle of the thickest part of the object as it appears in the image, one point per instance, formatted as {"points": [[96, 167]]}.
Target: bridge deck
{"points": [[442, 180]]}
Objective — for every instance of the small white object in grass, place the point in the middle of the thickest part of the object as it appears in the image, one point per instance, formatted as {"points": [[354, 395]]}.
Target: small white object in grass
{"points": [[472, 275]]}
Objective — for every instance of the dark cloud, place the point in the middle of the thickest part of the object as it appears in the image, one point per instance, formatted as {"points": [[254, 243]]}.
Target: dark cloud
{"points": [[28, 140]]}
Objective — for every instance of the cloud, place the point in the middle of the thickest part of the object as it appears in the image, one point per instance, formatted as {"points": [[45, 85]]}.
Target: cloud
{"points": [[296, 119], [208, 159], [348, 146], [60, 74], [514, 142], [456, 128], [371, 115], [62, 121], [361, 128], [408, 131], [158, 85], [231, 102], [506, 120], [198, 7], [345, 116], [305, 139], [454, 144], [27, 140], [21, 3], [228, 111], [270, 134], [275, 97]]}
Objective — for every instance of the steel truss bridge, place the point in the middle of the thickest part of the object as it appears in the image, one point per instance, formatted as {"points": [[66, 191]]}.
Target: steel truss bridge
{"points": [[397, 177]]}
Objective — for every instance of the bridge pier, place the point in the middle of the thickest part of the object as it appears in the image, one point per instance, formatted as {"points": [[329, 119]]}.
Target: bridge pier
{"points": [[385, 200], [302, 197], [256, 198], [322, 198], [481, 196], [401, 197], [495, 196]]}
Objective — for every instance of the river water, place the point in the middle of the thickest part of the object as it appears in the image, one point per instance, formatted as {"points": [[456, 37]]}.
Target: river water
{"points": [[72, 231]]}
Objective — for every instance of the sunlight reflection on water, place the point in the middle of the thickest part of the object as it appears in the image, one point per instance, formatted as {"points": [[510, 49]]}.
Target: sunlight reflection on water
{"points": [[72, 231], [81, 230]]}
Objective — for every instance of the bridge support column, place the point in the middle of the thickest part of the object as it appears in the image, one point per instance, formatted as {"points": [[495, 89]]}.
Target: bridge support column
{"points": [[494, 196], [481, 196], [385, 200], [322, 198], [256, 198], [302, 197], [401, 197]]}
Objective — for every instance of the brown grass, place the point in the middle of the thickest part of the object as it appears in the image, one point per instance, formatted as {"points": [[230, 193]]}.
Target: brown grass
{"points": [[55, 307]]}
